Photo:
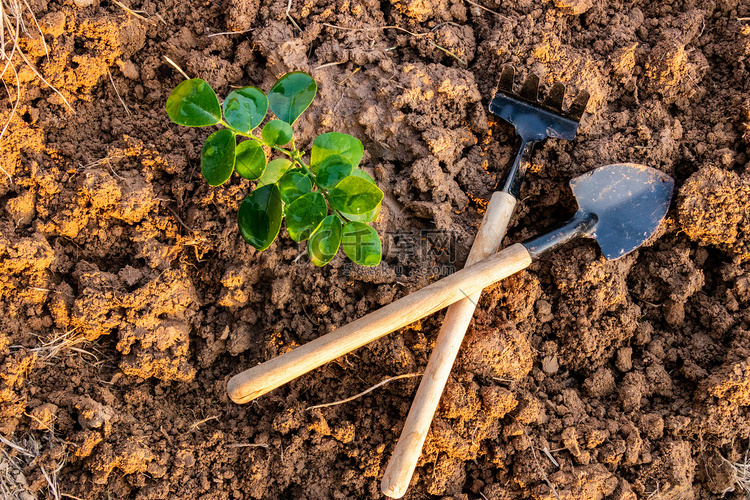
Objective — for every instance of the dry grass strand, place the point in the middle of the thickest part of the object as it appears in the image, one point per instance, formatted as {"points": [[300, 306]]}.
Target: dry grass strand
{"points": [[335, 63], [39, 75], [36, 23], [740, 473], [127, 110], [13, 483], [7, 21], [53, 347], [229, 33], [539, 465], [485, 8], [350, 75], [390, 379], [417, 35], [134, 13], [66, 342], [174, 65], [247, 445], [551, 458], [289, 8], [450, 53], [201, 422]]}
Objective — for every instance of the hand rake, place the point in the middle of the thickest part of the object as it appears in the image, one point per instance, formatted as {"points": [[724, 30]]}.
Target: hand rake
{"points": [[534, 121]]}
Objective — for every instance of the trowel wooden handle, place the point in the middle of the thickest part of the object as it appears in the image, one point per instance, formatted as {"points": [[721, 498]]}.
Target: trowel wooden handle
{"points": [[409, 447], [267, 376]]}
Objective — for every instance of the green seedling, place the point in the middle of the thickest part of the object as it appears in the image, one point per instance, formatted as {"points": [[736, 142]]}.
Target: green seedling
{"points": [[326, 202]]}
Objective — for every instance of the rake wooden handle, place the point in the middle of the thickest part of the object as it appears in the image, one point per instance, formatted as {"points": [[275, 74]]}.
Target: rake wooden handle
{"points": [[409, 447], [267, 376]]}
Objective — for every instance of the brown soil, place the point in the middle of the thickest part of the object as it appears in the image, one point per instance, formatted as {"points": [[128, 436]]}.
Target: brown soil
{"points": [[634, 374]]}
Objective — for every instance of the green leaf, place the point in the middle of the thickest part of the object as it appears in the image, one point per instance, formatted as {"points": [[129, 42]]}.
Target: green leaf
{"points": [[335, 143], [361, 244], [365, 217], [355, 195], [250, 160], [217, 157], [358, 172], [193, 103], [274, 170], [276, 133], [245, 108], [332, 170], [305, 214], [324, 242], [372, 214], [291, 95], [294, 184], [259, 216]]}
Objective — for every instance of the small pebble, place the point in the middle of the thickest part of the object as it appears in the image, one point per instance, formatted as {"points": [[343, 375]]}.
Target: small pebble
{"points": [[550, 365]]}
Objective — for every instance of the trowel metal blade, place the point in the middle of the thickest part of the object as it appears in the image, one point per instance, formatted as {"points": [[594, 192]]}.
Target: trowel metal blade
{"points": [[629, 201]]}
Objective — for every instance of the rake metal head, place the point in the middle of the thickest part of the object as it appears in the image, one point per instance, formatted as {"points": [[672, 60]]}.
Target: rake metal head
{"points": [[533, 119]]}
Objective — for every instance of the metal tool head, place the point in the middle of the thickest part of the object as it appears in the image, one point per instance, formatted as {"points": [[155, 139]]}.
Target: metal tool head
{"points": [[620, 206], [629, 202], [536, 120]]}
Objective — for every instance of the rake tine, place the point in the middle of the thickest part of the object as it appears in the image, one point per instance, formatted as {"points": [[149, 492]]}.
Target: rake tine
{"points": [[506, 79], [555, 97], [530, 88], [579, 105]]}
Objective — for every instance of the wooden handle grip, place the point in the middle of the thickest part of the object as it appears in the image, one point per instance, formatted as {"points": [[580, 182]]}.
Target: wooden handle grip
{"points": [[267, 376], [409, 447]]}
